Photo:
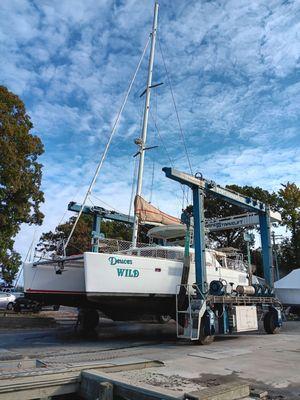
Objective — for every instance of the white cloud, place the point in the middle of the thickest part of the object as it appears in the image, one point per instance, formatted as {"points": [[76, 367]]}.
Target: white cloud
{"points": [[234, 71]]}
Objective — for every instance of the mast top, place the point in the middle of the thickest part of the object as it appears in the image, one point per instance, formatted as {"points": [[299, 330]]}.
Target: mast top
{"points": [[143, 138]]}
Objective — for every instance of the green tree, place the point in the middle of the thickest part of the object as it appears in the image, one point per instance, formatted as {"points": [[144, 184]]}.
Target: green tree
{"points": [[216, 208], [20, 178], [52, 242], [289, 201]]}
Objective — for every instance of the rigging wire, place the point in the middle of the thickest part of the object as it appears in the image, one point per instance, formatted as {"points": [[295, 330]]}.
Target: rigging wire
{"points": [[59, 223], [169, 157], [152, 181], [178, 120], [113, 130], [102, 201], [175, 108], [28, 255]]}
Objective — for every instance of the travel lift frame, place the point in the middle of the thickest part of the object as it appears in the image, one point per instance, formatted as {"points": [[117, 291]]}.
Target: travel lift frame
{"points": [[99, 213], [215, 224], [199, 308]]}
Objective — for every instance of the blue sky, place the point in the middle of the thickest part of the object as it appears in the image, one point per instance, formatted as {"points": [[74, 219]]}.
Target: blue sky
{"points": [[235, 70]]}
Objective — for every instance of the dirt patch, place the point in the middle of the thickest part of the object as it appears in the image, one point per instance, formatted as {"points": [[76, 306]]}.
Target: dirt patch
{"points": [[291, 392], [181, 384], [172, 382], [209, 380]]}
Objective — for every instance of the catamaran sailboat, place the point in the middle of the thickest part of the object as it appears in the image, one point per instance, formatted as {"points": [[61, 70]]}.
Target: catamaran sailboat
{"points": [[127, 284], [125, 280]]}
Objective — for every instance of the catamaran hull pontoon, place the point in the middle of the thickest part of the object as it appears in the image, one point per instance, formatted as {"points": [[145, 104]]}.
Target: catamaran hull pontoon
{"points": [[122, 286]]}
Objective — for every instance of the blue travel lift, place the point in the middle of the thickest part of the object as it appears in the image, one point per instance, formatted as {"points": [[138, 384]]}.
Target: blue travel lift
{"points": [[201, 309]]}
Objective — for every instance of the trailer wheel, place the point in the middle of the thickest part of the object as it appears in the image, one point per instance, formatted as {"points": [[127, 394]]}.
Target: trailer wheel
{"points": [[36, 307], [270, 325], [204, 339], [17, 308], [88, 320]]}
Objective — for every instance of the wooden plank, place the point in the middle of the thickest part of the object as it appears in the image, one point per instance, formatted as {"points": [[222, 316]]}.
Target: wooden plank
{"points": [[45, 383], [105, 391], [91, 379]]}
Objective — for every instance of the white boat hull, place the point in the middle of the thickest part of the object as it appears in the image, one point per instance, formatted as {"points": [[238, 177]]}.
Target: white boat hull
{"points": [[287, 289], [115, 283], [124, 274], [41, 282], [288, 297]]}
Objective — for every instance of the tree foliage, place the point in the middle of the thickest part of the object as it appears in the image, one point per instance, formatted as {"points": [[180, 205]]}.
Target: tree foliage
{"points": [[286, 201], [216, 208], [289, 202], [52, 242], [20, 178]]}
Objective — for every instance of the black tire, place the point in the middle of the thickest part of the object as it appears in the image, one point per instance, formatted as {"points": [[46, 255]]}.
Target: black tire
{"points": [[204, 338], [164, 319], [17, 308], [36, 307], [88, 320], [270, 325], [10, 306]]}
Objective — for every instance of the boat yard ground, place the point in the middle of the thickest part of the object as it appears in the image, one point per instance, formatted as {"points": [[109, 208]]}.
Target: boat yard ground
{"points": [[268, 362]]}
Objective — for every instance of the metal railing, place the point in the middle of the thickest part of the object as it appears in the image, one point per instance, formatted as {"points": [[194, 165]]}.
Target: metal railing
{"points": [[141, 249], [236, 264], [150, 250]]}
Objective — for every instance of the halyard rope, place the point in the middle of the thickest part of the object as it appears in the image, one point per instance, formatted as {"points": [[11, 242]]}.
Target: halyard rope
{"points": [[113, 130]]}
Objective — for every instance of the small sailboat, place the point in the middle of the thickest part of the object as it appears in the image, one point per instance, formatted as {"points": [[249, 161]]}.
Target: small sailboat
{"points": [[128, 280]]}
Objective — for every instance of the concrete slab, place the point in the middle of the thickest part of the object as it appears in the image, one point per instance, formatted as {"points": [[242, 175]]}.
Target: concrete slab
{"points": [[234, 390], [219, 354], [268, 362]]}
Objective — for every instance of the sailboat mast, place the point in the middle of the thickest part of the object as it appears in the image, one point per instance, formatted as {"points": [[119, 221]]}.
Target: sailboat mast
{"points": [[142, 143]]}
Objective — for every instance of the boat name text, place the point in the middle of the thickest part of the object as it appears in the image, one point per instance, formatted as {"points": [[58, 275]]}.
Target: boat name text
{"points": [[115, 261], [127, 273], [124, 272]]}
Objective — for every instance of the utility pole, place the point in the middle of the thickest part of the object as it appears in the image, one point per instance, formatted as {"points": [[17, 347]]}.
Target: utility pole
{"points": [[249, 238], [275, 255]]}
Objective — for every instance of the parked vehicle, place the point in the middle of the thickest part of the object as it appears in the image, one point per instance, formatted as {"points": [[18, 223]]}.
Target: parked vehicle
{"points": [[7, 300], [24, 304], [18, 294]]}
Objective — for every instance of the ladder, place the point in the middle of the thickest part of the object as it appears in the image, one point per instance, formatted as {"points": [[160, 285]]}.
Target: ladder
{"points": [[190, 312]]}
